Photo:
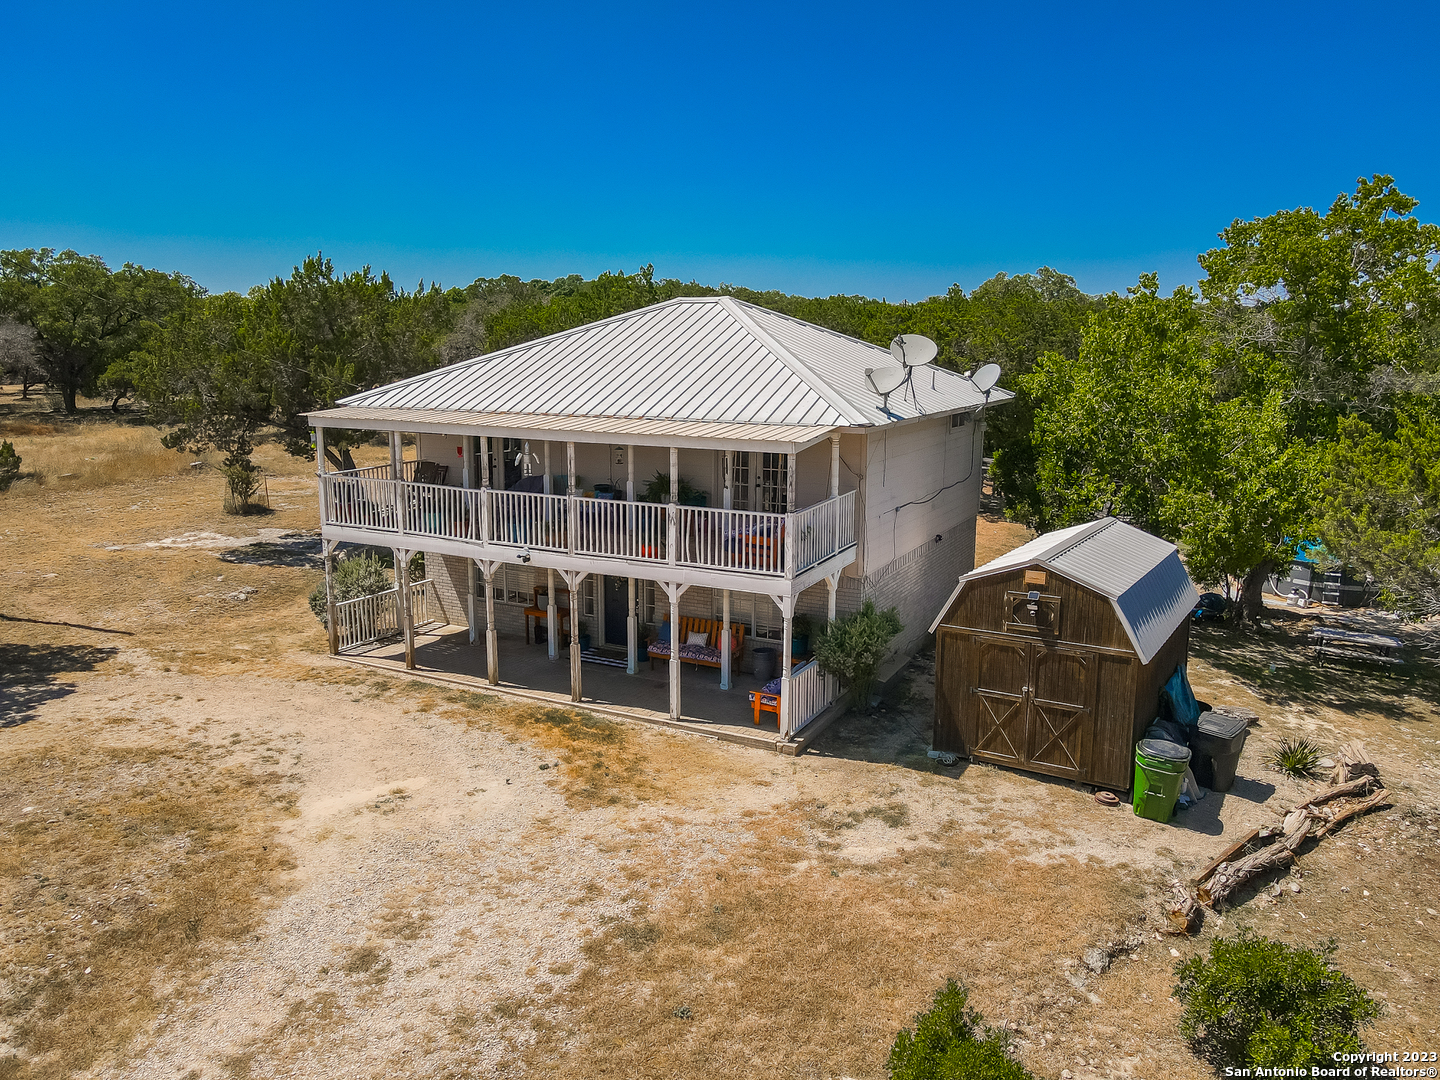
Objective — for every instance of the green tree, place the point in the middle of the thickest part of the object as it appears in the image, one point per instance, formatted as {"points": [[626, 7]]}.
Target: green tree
{"points": [[950, 1041], [84, 315], [1256, 1002], [202, 374], [1382, 504], [1135, 426], [326, 335], [1338, 312]]}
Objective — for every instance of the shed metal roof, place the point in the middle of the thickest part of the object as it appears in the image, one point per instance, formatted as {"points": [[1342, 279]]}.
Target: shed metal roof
{"points": [[696, 359], [1141, 574]]}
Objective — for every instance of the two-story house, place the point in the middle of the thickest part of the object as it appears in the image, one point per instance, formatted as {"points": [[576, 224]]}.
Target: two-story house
{"points": [[779, 482]]}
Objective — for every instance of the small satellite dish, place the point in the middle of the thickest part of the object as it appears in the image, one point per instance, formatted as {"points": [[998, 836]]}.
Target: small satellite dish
{"points": [[886, 379], [913, 350], [986, 377]]}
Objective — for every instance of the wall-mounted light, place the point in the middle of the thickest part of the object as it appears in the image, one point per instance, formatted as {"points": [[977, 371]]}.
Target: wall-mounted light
{"points": [[619, 455]]}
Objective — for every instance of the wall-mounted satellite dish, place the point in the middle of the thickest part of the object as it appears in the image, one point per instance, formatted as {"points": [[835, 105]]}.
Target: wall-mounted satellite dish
{"points": [[985, 378], [913, 350]]}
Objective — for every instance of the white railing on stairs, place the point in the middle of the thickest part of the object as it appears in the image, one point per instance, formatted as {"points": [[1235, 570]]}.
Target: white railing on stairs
{"points": [[368, 619], [811, 692]]}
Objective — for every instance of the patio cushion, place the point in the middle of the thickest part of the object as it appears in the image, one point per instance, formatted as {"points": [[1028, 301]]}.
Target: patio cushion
{"points": [[693, 653], [697, 638]]}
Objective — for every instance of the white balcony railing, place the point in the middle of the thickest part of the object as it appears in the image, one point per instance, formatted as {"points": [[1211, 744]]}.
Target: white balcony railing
{"points": [[747, 541]]}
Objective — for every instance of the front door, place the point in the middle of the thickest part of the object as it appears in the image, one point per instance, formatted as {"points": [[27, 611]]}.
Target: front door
{"points": [[1030, 706], [617, 595], [999, 701], [1061, 687]]}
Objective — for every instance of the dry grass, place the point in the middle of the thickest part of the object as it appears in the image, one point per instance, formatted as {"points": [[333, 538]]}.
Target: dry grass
{"points": [[89, 455], [131, 865], [786, 961]]}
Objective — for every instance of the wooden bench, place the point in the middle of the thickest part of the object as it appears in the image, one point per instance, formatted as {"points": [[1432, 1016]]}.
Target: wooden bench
{"points": [[537, 611], [760, 701], [1335, 652], [709, 627]]}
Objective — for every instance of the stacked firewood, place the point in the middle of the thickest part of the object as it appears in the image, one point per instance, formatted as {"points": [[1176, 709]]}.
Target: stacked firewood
{"points": [[1356, 790]]}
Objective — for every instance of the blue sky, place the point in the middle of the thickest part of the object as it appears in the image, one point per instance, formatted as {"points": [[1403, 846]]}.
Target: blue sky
{"points": [[880, 149]]}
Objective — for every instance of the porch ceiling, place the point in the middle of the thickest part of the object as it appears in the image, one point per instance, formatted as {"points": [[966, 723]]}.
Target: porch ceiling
{"points": [[638, 431]]}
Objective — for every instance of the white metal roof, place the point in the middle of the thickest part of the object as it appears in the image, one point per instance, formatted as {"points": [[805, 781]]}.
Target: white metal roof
{"points": [[1140, 573], [696, 359]]}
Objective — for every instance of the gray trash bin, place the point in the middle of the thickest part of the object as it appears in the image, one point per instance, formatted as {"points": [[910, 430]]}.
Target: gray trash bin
{"points": [[765, 657], [1217, 742]]}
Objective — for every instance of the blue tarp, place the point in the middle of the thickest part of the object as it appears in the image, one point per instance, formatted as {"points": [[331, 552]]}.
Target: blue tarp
{"points": [[1177, 700]]}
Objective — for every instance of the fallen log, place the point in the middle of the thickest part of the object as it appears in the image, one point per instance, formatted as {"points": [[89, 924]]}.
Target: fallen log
{"points": [[1181, 911], [1230, 876], [1306, 821], [1353, 763], [1229, 853], [1380, 798]]}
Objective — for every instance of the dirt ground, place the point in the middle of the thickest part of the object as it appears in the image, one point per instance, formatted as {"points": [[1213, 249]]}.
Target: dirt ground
{"points": [[227, 855]]}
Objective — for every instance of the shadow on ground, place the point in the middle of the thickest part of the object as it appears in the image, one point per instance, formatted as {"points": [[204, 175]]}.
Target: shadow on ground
{"points": [[297, 549], [31, 676], [1278, 665]]}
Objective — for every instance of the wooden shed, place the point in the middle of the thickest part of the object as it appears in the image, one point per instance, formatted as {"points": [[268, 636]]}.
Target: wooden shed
{"points": [[1051, 658]]}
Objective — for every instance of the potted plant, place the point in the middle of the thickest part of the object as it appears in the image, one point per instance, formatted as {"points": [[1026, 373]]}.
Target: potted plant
{"points": [[801, 627]]}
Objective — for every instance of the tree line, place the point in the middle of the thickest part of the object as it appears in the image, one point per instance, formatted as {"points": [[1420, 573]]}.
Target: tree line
{"points": [[1290, 397]]}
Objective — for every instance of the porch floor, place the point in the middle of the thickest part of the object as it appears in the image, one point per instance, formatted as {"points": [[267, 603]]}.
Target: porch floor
{"points": [[527, 670]]}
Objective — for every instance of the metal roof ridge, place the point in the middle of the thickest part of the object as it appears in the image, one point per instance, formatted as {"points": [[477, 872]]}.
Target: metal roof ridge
{"points": [[498, 353], [841, 404]]}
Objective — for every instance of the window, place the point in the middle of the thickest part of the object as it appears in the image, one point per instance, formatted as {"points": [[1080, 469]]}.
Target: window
{"points": [[740, 481], [756, 612], [512, 586], [773, 468]]}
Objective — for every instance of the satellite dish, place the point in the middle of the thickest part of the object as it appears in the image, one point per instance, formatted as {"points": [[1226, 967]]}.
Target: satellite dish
{"points": [[986, 377], [886, 379], [913, 350]]}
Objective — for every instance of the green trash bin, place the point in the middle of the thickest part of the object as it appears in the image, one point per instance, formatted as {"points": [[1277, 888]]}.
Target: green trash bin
{"points": [[1159, 768]]}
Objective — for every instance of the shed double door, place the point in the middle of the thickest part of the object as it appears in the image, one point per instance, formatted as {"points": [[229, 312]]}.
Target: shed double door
{"points": [[1031, 706]]}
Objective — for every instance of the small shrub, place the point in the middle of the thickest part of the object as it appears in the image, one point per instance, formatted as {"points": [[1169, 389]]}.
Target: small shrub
{"points": [[851, 648], [364, 576], [1260, 1002], [242, 483], [1298, 758], [945, 1044], [9, 465]]}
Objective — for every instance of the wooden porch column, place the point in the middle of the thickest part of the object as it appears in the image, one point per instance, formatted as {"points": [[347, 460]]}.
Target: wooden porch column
{"points": [[571, 525], [672, 514], [632, 628], [407, 615], [492, 654], [396, 453], [552, 646], [790, 524], [833, 581], [834, 466], [485, 509], [548, 481], [728, 464], [787, 699], [525, 458], [574, 579], [674, 590], [332, 628], [467, 481], [725, 630]]}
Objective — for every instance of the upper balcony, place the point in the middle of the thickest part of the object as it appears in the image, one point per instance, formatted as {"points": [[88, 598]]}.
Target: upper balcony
{"points": [[765, 552]]}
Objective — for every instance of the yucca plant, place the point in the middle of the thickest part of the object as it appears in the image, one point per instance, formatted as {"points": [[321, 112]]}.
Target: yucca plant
{"points": [[1298, 758]]}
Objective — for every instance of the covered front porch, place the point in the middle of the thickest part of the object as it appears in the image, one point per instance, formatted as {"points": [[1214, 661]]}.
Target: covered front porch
{"points": [[444, 653]]}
